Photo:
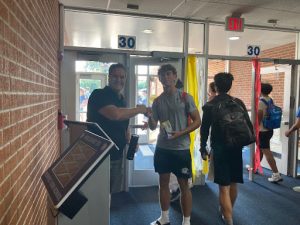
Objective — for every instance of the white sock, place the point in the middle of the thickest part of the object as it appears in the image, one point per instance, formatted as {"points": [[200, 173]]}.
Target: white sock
{"points": [[186, 221], [164, 218]]}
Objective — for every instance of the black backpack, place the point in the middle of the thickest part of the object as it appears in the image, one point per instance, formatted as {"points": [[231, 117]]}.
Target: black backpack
{"points": [[233, 123]]}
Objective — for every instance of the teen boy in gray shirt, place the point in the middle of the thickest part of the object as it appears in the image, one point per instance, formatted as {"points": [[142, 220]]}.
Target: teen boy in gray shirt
{"points": [[172, 154]]}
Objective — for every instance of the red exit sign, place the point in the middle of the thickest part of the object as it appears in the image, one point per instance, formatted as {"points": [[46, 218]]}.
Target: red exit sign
{"points": [[234, 24]]}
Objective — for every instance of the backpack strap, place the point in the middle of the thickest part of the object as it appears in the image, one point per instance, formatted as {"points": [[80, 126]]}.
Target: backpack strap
{"points": [[184, 99], [267, 103], [183, 96]]}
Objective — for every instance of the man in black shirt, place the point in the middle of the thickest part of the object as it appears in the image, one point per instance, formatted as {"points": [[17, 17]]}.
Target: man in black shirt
{"points": [[106, 107], [228, 163]]}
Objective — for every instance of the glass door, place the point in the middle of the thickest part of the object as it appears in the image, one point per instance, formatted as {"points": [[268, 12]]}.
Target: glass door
{"points": [[146, 88], [279, 76], [87, 83], [90, 75], [294, 138]]}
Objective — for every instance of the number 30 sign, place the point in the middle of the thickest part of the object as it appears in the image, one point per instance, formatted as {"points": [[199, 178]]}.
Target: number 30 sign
{"points": [[253, 50], [127, 42]]}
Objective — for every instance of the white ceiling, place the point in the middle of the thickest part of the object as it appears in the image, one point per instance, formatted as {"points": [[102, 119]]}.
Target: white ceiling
{"points": [[255, 12]]}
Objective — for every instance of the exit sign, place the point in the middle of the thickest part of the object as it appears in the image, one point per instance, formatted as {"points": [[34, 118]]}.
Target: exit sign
{"points": [[234, 24]]}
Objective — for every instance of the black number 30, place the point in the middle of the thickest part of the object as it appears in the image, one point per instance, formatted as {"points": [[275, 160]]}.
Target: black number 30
{"points": [[253, 50], [126, 42]]}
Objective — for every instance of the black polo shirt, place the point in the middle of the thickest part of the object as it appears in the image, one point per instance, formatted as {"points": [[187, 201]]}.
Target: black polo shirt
{"points": [[115, 129]]}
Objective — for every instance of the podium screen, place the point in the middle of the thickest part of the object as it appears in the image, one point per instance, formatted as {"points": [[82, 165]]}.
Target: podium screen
{"points": [[74, 165]]}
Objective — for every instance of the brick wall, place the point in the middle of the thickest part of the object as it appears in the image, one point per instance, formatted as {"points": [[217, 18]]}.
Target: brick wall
{"points": [[29, 100], [241, 87], [214, 67]]}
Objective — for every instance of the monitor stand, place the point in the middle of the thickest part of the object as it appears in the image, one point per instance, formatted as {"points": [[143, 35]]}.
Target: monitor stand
{"points": [[96, 189]]}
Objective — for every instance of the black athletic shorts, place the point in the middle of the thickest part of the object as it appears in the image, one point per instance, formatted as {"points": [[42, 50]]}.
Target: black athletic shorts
{"points": [[177, 162], [264, 138], [228, 165]]}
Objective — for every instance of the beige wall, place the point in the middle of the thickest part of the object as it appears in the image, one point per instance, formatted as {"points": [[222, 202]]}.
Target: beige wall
{"points": [[29, 101]]}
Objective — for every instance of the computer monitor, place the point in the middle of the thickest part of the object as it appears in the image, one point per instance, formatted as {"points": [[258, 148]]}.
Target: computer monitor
{"points": [[75, 164]]}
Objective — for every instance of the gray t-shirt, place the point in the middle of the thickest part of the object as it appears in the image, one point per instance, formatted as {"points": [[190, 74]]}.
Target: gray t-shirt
{"points": [[175, 109]]}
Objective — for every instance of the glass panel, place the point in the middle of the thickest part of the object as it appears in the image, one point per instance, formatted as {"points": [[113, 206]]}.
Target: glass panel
{"points": [[92, 66], [277, 81], [155, 89], [153, 70], [86, 87], [277, 44], [142, 69], [96, 30], [145, 95], [215, 66], [92, 75], [142, 99], [196, 38]]}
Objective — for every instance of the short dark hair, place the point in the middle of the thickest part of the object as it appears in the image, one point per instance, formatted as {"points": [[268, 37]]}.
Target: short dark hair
{"points": [[212, 86], [115, 66], [266, 88], [223, 82], [165, 68]]}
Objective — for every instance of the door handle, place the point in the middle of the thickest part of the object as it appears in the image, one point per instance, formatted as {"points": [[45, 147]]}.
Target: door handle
{"points": [[286, 123]]}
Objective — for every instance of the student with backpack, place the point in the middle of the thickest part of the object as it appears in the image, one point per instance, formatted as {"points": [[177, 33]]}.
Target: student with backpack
{"points": [[231, 129], [266, 105]]}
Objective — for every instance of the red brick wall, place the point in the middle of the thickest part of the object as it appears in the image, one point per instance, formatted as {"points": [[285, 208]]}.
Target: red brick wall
{"points": [[241, 87], [29, 100], [214, 67]]}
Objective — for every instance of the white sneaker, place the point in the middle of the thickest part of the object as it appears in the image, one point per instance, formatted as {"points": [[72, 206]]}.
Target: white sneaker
{"points": [[275, 178], [159, 223]]}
